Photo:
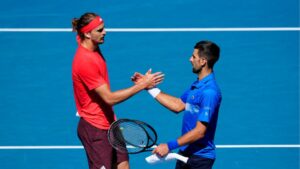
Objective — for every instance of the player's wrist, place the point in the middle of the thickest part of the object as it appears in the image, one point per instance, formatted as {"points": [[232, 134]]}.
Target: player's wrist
{"points": [[154, 91], [173, 144], [140, 86]]}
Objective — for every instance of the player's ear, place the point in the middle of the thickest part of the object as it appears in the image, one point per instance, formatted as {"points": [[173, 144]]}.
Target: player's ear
{"points": [[87, 35], [203, 61]]}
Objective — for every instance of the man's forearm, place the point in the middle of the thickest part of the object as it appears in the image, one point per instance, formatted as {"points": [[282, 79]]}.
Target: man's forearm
{"points": [[195, 134], [172, 103], [118, 96]]}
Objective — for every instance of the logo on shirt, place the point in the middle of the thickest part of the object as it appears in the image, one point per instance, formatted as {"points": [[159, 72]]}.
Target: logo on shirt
{"points": [[206, 113], [192, 108]]}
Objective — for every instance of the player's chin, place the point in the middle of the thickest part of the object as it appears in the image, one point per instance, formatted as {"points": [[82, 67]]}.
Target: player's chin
{"points": [[101, 41]]}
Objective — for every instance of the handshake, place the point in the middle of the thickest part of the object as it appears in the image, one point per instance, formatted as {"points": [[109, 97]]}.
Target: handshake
{"points": [[149, 81]]}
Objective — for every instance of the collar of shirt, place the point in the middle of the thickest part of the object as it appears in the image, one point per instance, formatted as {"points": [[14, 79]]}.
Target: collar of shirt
{"points": [[199, 83]]}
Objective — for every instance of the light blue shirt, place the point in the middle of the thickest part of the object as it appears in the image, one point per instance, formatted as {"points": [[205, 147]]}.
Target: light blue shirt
{"points": [[202, 101]]}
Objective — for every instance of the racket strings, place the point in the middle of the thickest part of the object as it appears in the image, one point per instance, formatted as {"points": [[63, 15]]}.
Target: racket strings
{"points": [[131, 136], [151, 134], [128, 137], [117, 140], [134, 134]]}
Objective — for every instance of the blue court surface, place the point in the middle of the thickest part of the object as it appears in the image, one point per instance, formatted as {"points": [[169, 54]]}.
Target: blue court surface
{"points": [[258, 73]]}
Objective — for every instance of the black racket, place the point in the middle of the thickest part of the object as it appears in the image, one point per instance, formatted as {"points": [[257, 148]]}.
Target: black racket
{"points": [[132, 136]]}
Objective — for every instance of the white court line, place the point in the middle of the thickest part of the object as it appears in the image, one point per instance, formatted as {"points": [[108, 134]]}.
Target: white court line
{"points": [[218, 146], [157, 29], [38, 147], [261, 146]]}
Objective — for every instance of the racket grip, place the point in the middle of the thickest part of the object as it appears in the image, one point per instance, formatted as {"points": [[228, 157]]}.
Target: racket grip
{"points": [[154, 158], [177, 156]]}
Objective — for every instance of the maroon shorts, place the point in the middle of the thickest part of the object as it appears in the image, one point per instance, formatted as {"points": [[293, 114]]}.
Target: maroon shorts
{"points": [[99, 151]]}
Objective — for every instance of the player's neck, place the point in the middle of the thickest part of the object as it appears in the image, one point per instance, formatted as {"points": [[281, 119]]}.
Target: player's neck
{"points": [[88, 44], [204, 72]]}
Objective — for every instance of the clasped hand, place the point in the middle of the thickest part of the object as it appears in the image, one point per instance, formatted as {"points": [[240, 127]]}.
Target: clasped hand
{"points": [[149, 79]]}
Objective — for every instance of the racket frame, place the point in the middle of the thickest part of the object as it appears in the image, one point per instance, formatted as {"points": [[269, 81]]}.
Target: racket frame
{"points": [[142, 125]]}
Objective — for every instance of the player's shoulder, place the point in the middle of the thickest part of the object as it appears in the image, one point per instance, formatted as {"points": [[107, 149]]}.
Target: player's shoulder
{"points": [[82, 57], [211, 91]]}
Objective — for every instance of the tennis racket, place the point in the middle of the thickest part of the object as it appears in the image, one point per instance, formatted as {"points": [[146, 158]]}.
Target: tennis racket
{"points": [[134, 136]]}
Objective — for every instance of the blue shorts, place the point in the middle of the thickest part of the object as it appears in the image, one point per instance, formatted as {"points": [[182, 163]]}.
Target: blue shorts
{"points": [[195, 162]]}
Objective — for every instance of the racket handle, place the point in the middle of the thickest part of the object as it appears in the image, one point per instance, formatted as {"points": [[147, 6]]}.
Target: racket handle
{"points": [[154, 158], [177, 156]]}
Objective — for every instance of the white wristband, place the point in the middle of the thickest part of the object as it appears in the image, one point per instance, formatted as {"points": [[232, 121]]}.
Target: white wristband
{"points": [[154, 92]]}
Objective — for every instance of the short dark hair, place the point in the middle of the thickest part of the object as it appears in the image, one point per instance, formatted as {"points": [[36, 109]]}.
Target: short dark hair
{"points": [[209, 50], [84, 20]]}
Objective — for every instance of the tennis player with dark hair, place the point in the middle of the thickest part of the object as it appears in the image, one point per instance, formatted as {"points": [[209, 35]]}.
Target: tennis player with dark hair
{"points": [[200, 103], [93, 97]]}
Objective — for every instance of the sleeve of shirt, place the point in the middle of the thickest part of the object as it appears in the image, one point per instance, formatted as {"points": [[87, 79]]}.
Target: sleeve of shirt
{"points": [[208, 105], [91, 75]]}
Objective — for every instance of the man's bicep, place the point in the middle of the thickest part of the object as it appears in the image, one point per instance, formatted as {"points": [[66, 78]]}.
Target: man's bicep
{"points": [[181, 104], [201, 127], [208, 106], [103, 91]]}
